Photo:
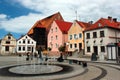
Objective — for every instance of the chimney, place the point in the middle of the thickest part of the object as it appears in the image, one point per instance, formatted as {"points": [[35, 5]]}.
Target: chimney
{"points": [[90, 22], [109, 18], [115, 19]]}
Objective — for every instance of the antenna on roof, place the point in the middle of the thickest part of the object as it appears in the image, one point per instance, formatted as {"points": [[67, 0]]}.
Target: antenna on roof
{"points": [[79, 17], [76, 14]]}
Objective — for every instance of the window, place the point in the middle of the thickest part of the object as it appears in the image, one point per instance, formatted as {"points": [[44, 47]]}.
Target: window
{"points": [[56, 45], [23, 41], [75, 45], [70, 45], [88, 36], [102, 48], [6, 48], [28, 41], [51, 38], [7, 42], [88, 49], [23, 48], [9, 37], [51, 30], [56, 29], [70, 37], [56, 37], [99, 24], [19, 48], [19, 41], [94, 34], [28, 48], [102, 34], [75, 36], [80, 35]]}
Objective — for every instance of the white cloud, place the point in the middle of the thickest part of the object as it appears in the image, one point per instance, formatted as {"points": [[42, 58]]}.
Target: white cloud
{"points": [[93, 9], [3, 16], [20, 24], [86, 10]]}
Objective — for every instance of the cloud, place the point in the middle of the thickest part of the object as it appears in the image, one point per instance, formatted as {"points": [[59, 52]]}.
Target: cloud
{"points": [[19, 24], [86, 9], [3, 16]]}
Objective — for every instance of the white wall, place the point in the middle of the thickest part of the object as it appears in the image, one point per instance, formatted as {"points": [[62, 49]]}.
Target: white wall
{"points": [[106, 40], [26, 44]]}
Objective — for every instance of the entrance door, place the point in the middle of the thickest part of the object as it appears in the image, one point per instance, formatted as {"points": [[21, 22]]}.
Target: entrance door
{"points": [[95, 48], [119, 51], [80, 46]]}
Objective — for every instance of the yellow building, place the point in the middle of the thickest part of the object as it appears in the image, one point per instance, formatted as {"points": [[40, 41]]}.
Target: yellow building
{"points": [[76, 36]]}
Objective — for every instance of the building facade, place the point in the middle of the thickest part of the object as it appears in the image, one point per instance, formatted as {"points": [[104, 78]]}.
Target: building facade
{"points": [[26, 44], [8, 45], [75, 36], [100, 36], [40, 29], [57, 35]]}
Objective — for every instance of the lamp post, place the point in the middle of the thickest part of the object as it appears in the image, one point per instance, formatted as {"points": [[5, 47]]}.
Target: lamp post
{"points": [[67, 46]]}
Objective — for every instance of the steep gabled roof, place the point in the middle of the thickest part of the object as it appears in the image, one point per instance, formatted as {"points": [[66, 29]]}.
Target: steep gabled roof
{"points": [[22, 36], [104, 23], [64, 26], [83, 24], [46, 22]]}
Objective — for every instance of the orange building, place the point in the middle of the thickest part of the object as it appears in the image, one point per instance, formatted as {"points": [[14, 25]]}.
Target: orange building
{"points": [[76, 36]]}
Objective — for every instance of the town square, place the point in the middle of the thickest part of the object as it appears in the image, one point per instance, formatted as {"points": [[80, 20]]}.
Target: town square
{"points": [[48, 40]]}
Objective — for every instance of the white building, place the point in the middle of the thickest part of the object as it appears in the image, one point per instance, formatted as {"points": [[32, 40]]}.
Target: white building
{"points": [[8, 45], [101, 38], [26, 44]]}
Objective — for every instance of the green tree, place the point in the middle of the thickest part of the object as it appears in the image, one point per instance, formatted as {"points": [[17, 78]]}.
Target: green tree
{"points": [[61, 48]]}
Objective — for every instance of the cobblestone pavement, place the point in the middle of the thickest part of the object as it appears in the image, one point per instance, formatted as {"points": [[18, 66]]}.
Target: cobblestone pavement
{"points": [[94, 71]]}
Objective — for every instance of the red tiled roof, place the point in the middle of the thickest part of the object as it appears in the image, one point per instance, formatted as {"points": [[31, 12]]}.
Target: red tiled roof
{"points": [[64, 26], [83, 24], [46, 22], [104, 23], [39, 26]]}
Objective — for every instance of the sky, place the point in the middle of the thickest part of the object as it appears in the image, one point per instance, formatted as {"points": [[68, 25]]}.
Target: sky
{"points": [[18, 16]]}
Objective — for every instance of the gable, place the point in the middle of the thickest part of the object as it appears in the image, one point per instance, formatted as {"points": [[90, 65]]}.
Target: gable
{"points": [[26, 37], [46, 22], [75, 28], [63, 26]]}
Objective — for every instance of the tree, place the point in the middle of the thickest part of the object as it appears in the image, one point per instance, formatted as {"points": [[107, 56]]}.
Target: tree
{"points": [[61, 48]]}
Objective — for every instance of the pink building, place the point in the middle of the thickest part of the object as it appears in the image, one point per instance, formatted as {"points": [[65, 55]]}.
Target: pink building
{"points": [[58, 34]]}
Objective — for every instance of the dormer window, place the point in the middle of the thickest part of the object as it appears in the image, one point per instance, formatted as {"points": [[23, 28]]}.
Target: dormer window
{"points": [[9, 37], [99, 24]]}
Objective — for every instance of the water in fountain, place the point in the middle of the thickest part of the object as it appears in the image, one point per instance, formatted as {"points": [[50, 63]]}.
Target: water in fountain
{"points": [[36, 66]]}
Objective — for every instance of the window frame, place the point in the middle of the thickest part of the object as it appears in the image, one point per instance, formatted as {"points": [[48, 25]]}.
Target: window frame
{"points": [[102, 48], [94, 34], [87, 35], [88, 49], [102, 33]]}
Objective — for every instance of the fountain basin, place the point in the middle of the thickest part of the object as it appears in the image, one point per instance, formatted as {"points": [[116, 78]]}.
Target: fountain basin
{"points": [[35, 69]]}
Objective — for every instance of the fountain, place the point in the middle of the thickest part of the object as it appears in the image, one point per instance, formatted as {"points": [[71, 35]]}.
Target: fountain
{"points": [[36, 67]]}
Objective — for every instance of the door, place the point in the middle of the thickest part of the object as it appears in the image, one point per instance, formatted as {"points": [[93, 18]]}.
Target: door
{"points": [[119, 51], [80, 46], [109, 52], [95, 49]]}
